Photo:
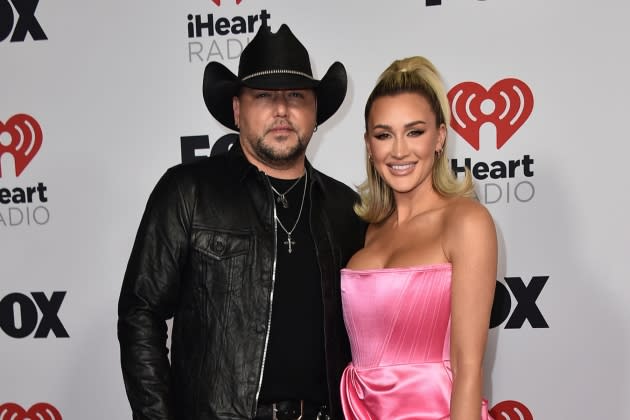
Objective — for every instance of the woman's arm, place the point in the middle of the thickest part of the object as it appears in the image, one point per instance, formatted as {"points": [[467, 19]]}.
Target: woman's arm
{"points": [[471, 246]]}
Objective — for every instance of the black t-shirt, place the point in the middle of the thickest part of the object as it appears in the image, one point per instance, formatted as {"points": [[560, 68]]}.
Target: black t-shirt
{"points": [[295, 366]]}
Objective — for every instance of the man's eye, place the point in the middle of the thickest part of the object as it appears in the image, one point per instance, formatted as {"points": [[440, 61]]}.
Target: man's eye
{"points": [[296, 95]]}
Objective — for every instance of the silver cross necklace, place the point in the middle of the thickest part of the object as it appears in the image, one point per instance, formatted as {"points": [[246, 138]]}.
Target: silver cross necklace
{"points": [[289, 242]]}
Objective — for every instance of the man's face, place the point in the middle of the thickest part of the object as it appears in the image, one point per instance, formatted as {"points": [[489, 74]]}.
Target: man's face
{"points": [[276, 125]]}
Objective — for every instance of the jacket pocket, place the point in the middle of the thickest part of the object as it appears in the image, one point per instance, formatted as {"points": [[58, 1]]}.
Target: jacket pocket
{"points": [[222, 258], [220, 264], [220, 245]]}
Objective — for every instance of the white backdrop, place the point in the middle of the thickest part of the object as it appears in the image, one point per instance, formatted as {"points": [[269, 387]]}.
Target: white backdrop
{"points": [[115, 85]]}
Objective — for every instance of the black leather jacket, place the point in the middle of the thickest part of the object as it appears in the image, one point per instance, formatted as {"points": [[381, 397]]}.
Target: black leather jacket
{"points": [[204, 255]]}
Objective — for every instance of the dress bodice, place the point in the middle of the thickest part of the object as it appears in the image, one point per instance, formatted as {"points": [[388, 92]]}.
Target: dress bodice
{"points": [[397, 315], [398, 322]]}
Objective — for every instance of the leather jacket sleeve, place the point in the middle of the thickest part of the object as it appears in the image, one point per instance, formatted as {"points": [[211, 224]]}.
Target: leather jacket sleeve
{"points": [[148, 297]]}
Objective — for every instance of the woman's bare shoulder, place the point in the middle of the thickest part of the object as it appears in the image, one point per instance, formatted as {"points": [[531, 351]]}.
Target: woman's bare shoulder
{"points": [[467, 220], [466, 211]]}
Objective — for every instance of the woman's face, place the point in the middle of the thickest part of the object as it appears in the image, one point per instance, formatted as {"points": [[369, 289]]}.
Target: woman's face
{"points": [[402, 137]]}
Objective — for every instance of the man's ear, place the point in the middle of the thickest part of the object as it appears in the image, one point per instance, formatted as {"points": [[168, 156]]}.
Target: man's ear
{"points": [[236, 108]]}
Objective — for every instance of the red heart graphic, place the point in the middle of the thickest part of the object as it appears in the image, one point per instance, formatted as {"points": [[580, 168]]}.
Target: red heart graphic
{"points": [[513, 103], [218, 2], [511, 410], [39, 411], [26, 139]]}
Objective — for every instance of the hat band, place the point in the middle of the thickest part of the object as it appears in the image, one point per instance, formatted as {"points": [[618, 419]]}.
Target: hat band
{"points": [[277, 71]]}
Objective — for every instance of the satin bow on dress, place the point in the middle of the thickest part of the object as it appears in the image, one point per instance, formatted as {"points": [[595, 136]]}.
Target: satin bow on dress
{"points": [[398, 321]]}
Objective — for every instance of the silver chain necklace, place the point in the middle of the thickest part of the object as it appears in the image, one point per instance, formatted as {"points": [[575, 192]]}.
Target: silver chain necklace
{"points": [[282, 199], [289, 242]]}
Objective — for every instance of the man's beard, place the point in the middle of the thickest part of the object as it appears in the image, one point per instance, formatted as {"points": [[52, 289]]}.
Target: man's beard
{"points": [[283, 158]]}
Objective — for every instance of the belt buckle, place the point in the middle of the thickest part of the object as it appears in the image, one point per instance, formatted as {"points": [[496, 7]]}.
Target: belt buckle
{"points": [[322, 416], [275, 413], [291, 413]]}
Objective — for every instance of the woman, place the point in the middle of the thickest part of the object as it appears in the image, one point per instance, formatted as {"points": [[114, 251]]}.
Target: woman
{"points": [[417, 297]]}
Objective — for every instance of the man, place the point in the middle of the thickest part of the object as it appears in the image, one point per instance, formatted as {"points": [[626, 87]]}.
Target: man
{"points": [[243, 251]]}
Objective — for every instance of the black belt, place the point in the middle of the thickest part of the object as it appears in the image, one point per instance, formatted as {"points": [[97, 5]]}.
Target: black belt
{"points": [[292, 410]]}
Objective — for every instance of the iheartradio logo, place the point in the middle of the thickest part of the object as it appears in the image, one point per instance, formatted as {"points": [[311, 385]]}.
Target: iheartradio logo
{"points": [[510, 410], [507, 105], [21, 136], [39, 411]]}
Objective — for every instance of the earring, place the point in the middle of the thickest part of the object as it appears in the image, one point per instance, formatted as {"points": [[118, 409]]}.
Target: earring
{"points": [[315, 129]]}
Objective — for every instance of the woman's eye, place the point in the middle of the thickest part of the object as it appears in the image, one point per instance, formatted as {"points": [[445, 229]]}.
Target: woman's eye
{"points": [[416, 133], [381, 136]]}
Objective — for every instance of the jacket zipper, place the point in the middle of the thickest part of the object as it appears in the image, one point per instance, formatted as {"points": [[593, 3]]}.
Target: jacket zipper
{"points": [[273, 285], [321, 286]]}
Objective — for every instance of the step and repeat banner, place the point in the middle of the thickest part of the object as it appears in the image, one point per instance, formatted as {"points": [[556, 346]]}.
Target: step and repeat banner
{"points": [[98, 99]]}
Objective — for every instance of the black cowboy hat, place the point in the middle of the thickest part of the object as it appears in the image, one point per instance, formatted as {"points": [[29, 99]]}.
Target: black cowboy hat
{"points": [[272, 61]]}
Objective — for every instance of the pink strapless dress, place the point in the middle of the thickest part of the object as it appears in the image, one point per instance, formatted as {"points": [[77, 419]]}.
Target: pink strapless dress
{"points": [[398, 321]]}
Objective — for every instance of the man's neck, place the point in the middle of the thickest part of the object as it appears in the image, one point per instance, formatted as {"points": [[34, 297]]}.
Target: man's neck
{"points": [[283, 170]]}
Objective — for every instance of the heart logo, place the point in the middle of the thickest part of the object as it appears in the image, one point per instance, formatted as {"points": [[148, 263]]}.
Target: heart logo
{"points": [[512, 102], [25, 139], [39, 411], [218, 2], [511, 410]]}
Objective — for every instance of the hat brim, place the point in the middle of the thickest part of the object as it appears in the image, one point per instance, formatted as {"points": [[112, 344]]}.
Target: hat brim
{"points": [[331, 91], [220, 85]]}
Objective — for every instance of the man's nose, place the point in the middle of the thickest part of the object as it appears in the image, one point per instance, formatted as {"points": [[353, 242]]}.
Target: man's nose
{"points": [[280, 104]]}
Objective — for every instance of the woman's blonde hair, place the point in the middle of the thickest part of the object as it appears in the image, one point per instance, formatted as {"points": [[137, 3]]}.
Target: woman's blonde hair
{"points": [[410, 75]]}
